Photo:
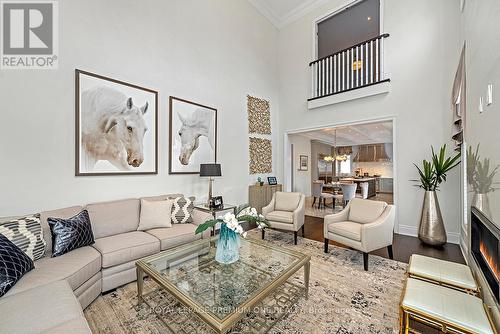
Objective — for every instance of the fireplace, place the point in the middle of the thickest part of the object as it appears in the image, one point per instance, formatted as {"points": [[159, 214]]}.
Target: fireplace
{"points": [[486, 249]]}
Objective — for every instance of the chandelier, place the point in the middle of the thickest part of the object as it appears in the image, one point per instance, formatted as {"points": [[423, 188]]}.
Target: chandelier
{"points": [[335, 156]]}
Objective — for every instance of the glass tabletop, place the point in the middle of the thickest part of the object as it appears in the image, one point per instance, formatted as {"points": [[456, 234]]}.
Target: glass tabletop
{"points": [[221, 289]]}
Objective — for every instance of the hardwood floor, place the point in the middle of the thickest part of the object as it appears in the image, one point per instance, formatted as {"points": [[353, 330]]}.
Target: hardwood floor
{"points": [[313, 211], [403, 246]]}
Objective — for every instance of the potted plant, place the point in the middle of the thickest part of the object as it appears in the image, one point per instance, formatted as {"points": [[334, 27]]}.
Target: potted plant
{"points": [[259, 180], [431, 230], [228, 244], [481, 179]]}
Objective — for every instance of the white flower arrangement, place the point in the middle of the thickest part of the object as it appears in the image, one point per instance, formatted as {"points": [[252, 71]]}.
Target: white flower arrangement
{"points": [[244, 213]]}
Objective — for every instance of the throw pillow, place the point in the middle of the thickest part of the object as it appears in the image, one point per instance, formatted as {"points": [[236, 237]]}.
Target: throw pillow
{"points": [[155, 214], [26, 233], [70, 234], [14, 263], [182, 210]]}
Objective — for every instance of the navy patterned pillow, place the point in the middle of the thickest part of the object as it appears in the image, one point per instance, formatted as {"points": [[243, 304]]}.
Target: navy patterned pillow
{"points": [[70, 234], [14, 263]]}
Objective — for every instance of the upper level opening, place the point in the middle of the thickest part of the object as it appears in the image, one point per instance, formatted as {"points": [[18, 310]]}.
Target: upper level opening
{"points": [[351, 25], [349, 53]]}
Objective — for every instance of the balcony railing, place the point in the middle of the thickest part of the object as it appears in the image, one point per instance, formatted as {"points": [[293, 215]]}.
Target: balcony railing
{"points": [[359, 66]]}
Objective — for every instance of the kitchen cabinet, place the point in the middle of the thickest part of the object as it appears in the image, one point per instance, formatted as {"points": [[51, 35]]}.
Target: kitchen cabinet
{"points": [[386, 185]]}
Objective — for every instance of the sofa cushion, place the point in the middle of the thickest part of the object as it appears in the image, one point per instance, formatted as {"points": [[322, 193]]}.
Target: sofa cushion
{"points": [[111, 218], [348, 230], [286, 201], [60, 213], [364, 211], [40, 310], [76, 267], [126, 247], [26, 233], [70, 234], [161, 197], [176, 235], [14, 263], [280, 216], [155, 214]]}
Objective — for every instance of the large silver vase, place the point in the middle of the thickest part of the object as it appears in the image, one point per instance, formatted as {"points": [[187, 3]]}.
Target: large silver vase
{"points": [[431, 230]]}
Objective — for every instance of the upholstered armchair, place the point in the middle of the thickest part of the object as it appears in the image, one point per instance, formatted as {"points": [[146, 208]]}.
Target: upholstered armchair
{"points": [[364, 225], [286, 212]]}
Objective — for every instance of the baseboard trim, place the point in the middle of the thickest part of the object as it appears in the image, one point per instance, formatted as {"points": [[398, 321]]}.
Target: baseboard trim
{"points": [[453, 237]]}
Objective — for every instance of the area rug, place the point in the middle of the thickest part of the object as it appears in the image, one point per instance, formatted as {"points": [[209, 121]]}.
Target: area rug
{"points": [[343, 299]]}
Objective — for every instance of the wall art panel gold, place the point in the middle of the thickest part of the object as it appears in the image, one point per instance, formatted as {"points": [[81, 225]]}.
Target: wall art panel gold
{"points": [[259, 116], [261, 156]]}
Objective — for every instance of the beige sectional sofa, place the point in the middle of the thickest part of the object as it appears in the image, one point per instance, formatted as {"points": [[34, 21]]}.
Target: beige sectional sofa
{"points": [[83, 274]]}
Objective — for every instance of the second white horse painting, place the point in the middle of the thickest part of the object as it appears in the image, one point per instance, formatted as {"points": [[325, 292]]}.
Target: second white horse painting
{"points": [[193, 136]]}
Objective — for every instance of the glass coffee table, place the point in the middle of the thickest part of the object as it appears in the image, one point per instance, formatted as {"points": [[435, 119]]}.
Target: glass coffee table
{"points": [[222, 294]]}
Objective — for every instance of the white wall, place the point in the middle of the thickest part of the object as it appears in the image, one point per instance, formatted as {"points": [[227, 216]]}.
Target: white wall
{"points": [[302, 179], [421, 57], [481, 29], [214, 52]]}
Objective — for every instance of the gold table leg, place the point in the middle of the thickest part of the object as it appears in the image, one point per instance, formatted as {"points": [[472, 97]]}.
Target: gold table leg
{"points": [[140, 284], [307, 271]]}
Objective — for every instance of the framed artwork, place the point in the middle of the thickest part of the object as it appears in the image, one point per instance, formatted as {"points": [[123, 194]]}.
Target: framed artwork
{"points": [[272, 180], [304, 163], [116, 127], [193, 136]]}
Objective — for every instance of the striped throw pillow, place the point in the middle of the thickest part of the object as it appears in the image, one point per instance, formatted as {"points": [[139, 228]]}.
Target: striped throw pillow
{"points": [[182, 209], [26, 233]]}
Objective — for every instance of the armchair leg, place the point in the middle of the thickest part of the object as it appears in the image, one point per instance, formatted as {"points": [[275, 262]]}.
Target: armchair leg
{"points": [[303, 230], [365, 261], [263, 233], [389, 250], [295, 237], [326, 245], [314, 201]]}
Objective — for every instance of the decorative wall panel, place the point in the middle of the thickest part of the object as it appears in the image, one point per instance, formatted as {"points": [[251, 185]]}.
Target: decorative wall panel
{"points": [[261, 156], [259, 116]]}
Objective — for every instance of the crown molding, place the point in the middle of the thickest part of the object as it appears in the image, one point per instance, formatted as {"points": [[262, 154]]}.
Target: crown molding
{"points": [[293, 15]]}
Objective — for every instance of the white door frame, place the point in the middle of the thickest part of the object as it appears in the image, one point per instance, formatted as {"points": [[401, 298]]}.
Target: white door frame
{"points": [[287, 179]]}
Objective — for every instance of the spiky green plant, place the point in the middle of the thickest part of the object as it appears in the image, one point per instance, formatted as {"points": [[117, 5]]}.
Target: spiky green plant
{"points": [[472, 161], [434, 172], [484, 178]]}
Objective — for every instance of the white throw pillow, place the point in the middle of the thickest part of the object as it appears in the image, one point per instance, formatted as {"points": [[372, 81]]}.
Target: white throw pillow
{"points": [[155, 214]]}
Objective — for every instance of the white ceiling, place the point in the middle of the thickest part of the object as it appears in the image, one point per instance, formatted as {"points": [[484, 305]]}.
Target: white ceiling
{"points": [[361, 134], [282, 12]]}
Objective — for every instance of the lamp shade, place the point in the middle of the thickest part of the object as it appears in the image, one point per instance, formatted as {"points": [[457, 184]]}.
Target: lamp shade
{"points": [[210, 170]]}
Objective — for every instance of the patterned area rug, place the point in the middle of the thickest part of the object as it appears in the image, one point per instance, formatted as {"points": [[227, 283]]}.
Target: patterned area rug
{"points": [[343, 299]]}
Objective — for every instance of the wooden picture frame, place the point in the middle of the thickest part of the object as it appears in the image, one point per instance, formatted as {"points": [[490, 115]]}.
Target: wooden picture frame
{"points": [[303, 163], [192, 136], [125, 144]]}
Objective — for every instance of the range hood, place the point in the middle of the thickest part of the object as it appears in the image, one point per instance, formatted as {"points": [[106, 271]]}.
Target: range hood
{"points": [[372, 153]]}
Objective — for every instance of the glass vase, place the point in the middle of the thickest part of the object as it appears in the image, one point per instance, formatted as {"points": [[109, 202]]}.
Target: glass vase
{"points": [[228, 246]]}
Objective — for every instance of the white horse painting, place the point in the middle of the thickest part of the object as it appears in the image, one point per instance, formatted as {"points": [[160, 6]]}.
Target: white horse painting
{"points": [[200, 123], [193, 136], [113, 129], [116, 127]]}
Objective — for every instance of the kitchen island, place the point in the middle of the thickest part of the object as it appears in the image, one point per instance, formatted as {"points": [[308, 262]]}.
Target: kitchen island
{"points": [[370, 180]]}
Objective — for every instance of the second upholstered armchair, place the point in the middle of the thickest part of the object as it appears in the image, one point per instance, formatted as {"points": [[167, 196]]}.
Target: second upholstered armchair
{"points": [[363, 225], [286, 212]]}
